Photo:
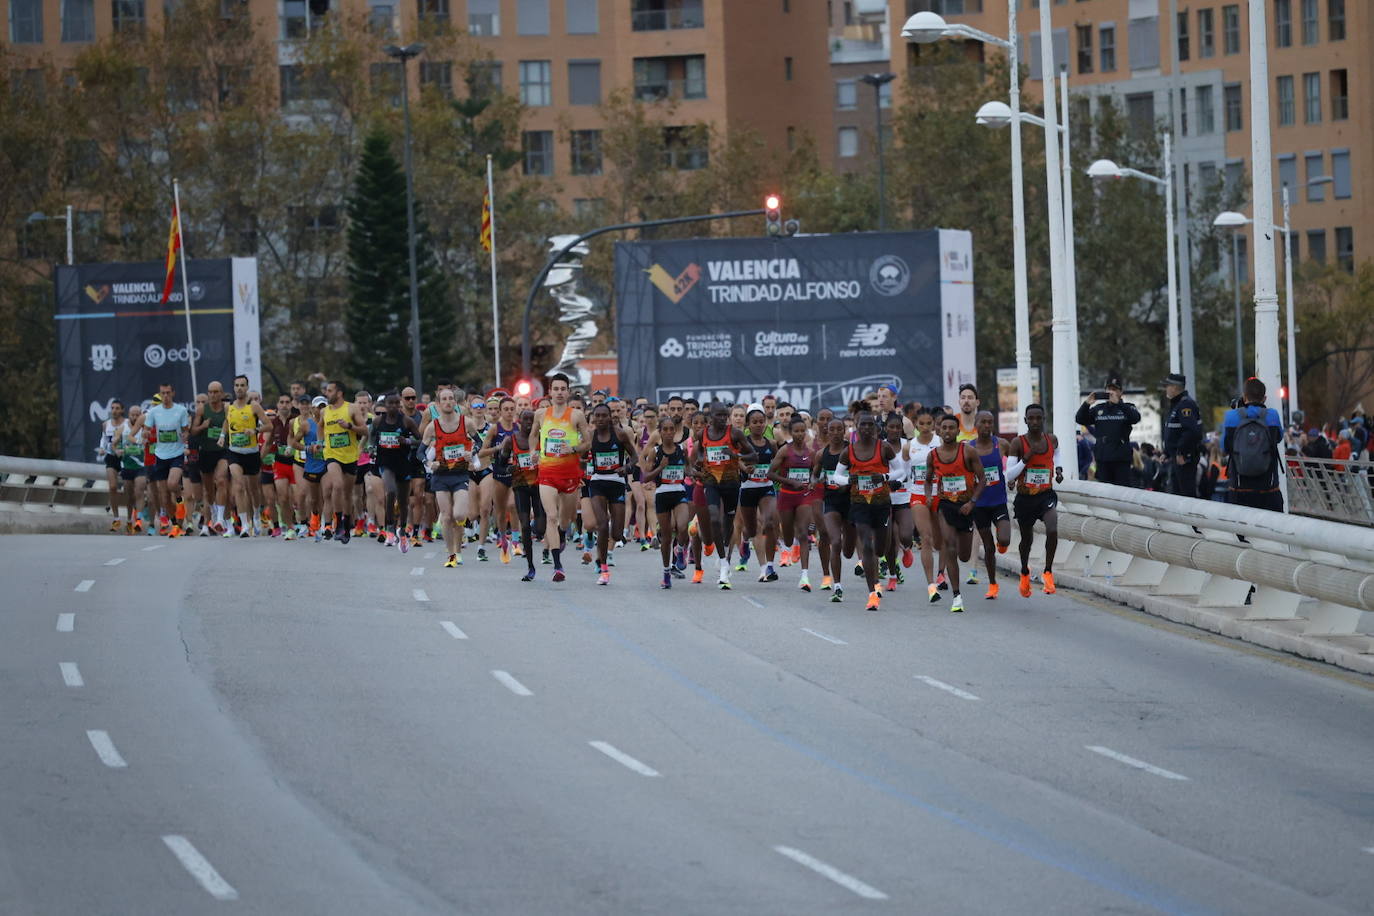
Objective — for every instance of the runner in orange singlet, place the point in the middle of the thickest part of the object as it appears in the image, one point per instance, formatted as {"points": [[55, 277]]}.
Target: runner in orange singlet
{"points": [[1037, 458], [563, 437], [955, 470]]}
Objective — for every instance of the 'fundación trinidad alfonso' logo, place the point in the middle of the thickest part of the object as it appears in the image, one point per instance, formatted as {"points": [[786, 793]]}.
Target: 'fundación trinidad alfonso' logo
{"points": [[889, 275]]}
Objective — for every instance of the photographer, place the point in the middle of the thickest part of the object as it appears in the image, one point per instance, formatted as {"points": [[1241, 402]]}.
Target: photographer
{"points": [[1250, 437], [1110, 421]]}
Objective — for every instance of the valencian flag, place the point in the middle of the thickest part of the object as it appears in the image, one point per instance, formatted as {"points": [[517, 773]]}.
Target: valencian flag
{"points": [[486, 221], [173, 246]]}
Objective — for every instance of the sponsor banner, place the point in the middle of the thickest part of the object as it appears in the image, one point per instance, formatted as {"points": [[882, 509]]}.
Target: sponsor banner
{"points": [[1008, 416], [815, 320], [115, 341]]}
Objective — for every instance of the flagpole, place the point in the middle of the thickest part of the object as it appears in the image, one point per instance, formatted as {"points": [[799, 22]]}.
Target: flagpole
{"points": [[495, 309], [185, 291]]}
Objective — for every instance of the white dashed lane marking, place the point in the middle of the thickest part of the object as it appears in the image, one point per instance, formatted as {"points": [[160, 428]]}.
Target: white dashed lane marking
{"points": [[829, 639], [66, 623], [1132, 762], [420, 594], [624, 759], [71, 675], [115, 562], [512, 684], [85, 585], [947, 688], [200, 868], [105, 749], [848, 882], [452, 629]]}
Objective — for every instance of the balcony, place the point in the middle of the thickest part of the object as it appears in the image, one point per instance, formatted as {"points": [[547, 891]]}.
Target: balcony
{"points": [[663, 90], [662, 15], [661, 78]]}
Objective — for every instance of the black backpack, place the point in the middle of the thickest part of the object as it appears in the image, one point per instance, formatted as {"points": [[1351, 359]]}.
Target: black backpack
{"points": [[1252, 449]]}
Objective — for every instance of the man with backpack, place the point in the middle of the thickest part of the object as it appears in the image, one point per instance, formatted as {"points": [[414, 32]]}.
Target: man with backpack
{"points": [[1250, 438]]}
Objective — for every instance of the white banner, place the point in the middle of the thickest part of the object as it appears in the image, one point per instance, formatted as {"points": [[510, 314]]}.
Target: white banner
{"points": [[960, 356]]}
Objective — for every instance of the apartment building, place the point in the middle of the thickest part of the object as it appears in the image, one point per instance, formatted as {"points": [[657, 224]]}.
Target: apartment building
{"points": [[756, 63], [1320, 53], [859, 47]]}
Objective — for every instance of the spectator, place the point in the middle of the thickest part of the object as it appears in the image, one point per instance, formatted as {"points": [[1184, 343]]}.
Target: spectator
{"points": [[1250, 438], [1316, 445], [1110, 422], [1343, 450], [1182, 436], [1085, 455], [1149, 467]]}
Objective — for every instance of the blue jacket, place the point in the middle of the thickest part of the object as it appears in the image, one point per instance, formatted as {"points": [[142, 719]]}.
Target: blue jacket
{"points": [[1234, 418]]}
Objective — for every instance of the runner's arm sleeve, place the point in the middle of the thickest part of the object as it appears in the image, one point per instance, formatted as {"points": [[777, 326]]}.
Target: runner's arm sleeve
{"points": [[1014, 468]]}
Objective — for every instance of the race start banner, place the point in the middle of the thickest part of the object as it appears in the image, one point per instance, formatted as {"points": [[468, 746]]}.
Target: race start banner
{"points": [[815, 320], [115, 342]]}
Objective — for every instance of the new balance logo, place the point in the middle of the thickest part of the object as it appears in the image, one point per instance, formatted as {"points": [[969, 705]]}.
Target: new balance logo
{"points": [[869, 335]]}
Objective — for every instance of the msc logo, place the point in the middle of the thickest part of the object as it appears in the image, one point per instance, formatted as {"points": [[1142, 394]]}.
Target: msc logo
{"points": [[869, 335], [889, 275], [671, 348], [102, 357], [674, 289], [156, 355], [98, 295]]}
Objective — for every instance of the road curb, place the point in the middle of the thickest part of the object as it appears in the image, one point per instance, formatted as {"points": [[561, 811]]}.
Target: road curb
{"points": [[48, 521]]}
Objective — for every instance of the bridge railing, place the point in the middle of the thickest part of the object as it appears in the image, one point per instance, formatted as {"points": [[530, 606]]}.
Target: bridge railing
{"points": [[1334, 490], [62, 486]]}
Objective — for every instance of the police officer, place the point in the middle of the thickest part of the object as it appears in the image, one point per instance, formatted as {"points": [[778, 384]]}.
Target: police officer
{"points": [[1110, 422], [1182, 436]]}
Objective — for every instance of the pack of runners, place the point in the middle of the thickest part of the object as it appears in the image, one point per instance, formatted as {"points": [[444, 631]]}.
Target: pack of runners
{"points": [[879, 485]]}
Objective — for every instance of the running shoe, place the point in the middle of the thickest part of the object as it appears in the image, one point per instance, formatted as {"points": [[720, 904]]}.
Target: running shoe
{"points": [[858, 570], [644, 545], [481, 554], [892, 583], [836, 595], [586, 557], [724, 580], [679, 559], [114, 525], [933, 592], [345, 535], [505, 550], [676, 573], [129, 529], [908, 557], [175, 532], [402, 541], [245, 533], [1024, 586], [875, 598], [804, 583], [709, 549], [544, 560], [796, 553], [451, 562], [957, 607], [786, 558], [317, 535], [518, 549], [827, 583], [667, 580], [289, 534], [605, 577], [942, 582], [769, 574], [1047, 582], [696, 577], [204, 531], [992, 591], [528, 576], [741, 566], [1002, 548], [972, 577], [882, 567], [558, 574], [328, 533]]}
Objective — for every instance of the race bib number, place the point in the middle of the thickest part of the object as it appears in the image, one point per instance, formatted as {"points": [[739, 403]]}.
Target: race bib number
{"points": [[607, 461], [214, 432], [717, 454], [389, 439], [759, 474], [1038, 477], [166, 435], [555, 448], [525, 460], [799, 475], [270, 461], [867, 483], [993, 475], [672, 474], [240, 440], [830, 477], [953, 486], [455, 453], [339, 440], [918, 473]]}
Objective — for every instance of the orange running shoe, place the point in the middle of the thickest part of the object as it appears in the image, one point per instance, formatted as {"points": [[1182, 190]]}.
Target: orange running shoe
{"points": [[696, 577], [796, 553], [1024, 587], [992, 591], [180, 512], [875, 598], [826, 582], [709, 548], [175, 532], [1047, 582], [1002, 548]]}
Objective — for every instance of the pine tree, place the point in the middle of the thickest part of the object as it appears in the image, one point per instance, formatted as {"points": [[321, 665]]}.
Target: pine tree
{"points": [[378, 315]]}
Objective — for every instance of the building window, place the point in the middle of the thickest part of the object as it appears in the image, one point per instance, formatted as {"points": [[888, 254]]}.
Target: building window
{"points": [[437, 75], [1230, 29], [538, 149], [1142, 41], [435, 12], [1182, 30], [1084, 34], [532, 17], [1140, 114], [787, 68], [1345, 248], [1283, 23], [1310, 32], [791, 138], [1287, 106], [1206, 110], [584, 82], [586, 152], [1232, 100], [484, 18], [381, 19], [1340, 174], [26, 21], [314, 226], [658, 15], [233, 81], [1316, 245], [1206, 33], [1340, 96], [1106, 42], [1183, 112], [846, 95], [1315, 164], [1242, 255], [685, 148], [386, 82], [848, 142], [78, 20], [297, 86], [1335, 20], [581, 17], [1311, 98], [1288, 173], [128, 16], [536, 85], [670, 77], [587, 207], [484, 79]]}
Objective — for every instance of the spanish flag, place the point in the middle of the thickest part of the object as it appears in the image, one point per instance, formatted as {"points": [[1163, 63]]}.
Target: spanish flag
{"points": [[486, 220], [173, 246]]}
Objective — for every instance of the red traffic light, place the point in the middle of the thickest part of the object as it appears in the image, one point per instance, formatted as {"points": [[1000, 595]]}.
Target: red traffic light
{"points": [[772, 202], [523, 388], [1283, 392]]}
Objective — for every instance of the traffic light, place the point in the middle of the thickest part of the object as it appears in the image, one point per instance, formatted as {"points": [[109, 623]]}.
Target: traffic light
{"points": [[523, 388], [772, 214]]}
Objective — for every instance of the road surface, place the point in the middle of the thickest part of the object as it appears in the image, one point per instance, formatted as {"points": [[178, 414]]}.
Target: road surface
{"points": [[209, 726]]}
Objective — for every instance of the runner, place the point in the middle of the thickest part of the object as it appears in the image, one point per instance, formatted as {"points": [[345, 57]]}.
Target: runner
{"points": [[495, 490], [368, 491], [923, 507], [721, 449], [167, 422], [1037, 454], [865, 467], [245, 420], [900, 533], [208, 427], [611, 448], [665, 466], [839, 534], [990, 510], [562, 434], [791, 471], [109, 430], [395, 435], [128, 447], [968, 412], [954, 469], [305, 447], [757, 503], [522, 457], [343, 425], [283, 466], [449, 468]]}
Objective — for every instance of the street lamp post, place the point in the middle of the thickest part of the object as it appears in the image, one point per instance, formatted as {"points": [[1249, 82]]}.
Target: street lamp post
{"points": [[404, 54], [1106, 168], [1262, 163], [926, 28], [877, 81], [67, 218]]}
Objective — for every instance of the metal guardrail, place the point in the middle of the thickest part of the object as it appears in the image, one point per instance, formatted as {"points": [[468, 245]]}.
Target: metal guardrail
{"points": [[62, 486], [1267, 565], [1335, 490]]}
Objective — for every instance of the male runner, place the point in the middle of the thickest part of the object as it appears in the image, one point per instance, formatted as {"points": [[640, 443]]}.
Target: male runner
{"points": [[865, 466], [968, 412], [953, 467], [395, 435], [522, 456], [344, 426], [283, 467], [245, 420], [611, 448], [208, 426], [1037, 452], [166, 423], [990, 509], [562, 433], [109, 429], [720, 451]]}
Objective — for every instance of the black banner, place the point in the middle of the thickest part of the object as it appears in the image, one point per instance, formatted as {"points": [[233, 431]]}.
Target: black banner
{"points": [[817, 321], [115, 341]]}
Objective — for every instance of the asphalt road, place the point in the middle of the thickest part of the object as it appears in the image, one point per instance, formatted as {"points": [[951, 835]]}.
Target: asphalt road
{"points": [[290, 728]]}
